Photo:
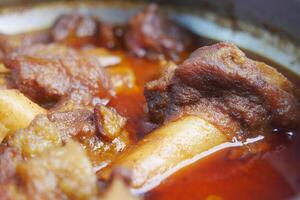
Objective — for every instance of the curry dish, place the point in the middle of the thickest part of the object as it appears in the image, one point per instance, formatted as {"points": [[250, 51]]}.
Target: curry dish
{"points": [[142, 110]]}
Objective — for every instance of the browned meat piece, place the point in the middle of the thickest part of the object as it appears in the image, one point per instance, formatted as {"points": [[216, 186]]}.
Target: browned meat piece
{"points": [[49, 72], [150, 34], [223, 86], [73, 122], [76, 30], [111, 36], [9, 43]]}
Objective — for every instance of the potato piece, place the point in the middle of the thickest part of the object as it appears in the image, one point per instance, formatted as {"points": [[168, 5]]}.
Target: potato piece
{"points": [[39, 136], [165, 148], [108, 122], [3, 132], [60, 173], [122, 78], [3, 69], [16, 110]]}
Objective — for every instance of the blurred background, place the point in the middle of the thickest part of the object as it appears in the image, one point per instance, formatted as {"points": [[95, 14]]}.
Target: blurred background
{"points": [[274, 15]]}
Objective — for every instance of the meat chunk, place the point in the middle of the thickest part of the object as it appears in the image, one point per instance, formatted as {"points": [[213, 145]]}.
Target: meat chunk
{"points": [[60, 173], [72, 122], [219, 83], [111, 36], [150, 33], [9, 43], [76, 30], [49, 72]]}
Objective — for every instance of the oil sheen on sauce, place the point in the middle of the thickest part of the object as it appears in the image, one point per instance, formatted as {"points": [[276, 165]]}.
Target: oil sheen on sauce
{"points": [[230, 173]]}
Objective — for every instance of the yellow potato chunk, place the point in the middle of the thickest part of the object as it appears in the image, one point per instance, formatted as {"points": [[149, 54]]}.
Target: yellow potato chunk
{"points": [[3, 132], [60, 173], [122, 77], [3, 69], [39, 136], [109, 122], [16, 110]]}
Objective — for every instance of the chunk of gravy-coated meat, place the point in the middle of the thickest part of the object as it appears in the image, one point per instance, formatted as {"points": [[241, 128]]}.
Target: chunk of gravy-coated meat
{"points": [[9, 43], [150, 34], [111, 36], [76, 30], [219, 83], [49, 72]]}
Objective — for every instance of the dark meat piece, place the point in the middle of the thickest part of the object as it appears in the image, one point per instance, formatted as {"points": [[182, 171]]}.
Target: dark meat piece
{"points": [[49, 72], [111, 36], [79, 30], [9, 43], [220, 84], [76, 30], [151, 34], [73, 122]]}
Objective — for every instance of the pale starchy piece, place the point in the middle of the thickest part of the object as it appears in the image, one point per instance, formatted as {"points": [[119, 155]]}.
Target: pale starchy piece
{"points": [[165, 148], [3, 69], [3, 132], [39, 136], [122, 78], [109, 122], [60, 173], [16, 110]]}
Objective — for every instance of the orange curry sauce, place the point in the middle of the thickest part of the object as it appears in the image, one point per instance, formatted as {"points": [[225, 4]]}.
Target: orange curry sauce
{"points": [[271, 174]]}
